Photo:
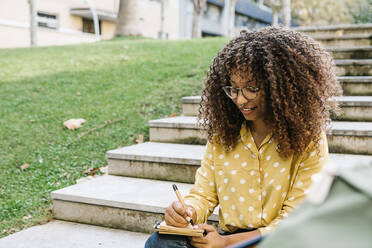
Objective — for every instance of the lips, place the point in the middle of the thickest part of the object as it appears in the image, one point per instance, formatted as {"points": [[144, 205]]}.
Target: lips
{"points": [[247, 110]]}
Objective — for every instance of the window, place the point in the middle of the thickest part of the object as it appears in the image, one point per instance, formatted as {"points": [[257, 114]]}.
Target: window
{"points": [[47, 20], [213, 13], [88, 26]]}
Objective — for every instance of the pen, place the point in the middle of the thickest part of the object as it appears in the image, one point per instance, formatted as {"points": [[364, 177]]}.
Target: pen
{"points": [[183, 203]]}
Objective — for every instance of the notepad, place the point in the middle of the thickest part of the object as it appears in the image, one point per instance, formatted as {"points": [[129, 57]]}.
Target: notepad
{"points": [[163, 228]]}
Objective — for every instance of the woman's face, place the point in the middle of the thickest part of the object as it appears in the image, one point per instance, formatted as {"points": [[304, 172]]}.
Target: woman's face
{"points": [[251, 109]]}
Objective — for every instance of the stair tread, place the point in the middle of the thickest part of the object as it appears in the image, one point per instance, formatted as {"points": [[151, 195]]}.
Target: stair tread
{"points": [[333, 27], [353, 61], [138, 194], [71, 235], [365, 100], [340, 37], [199, 150], [348, 49], [191, 121], [148, 195], [159, 152], [355, 79]]}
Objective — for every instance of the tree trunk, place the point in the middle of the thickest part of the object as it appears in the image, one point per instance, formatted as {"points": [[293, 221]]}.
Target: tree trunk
{"points": [[199, 6], [127, 23], [33, 26], [162, 20], [275, 17], [286, 10], [275, 6], [231, 29]]}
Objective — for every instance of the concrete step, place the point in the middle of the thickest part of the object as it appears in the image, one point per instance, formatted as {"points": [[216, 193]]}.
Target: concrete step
{"points": [[338, 30], [174, 162], [353, 67], [58, 234], [133, 204], [357, 52], [344, 137], [358, 108], [157, 161], [346, 40], [356, 86]]}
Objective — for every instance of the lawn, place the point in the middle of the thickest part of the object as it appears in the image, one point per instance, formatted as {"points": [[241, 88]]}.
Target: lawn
{"points": [[135, 80]]}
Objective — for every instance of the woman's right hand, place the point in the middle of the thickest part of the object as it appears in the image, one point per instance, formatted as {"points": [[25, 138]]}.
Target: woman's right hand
{"points": [[175, 214]]}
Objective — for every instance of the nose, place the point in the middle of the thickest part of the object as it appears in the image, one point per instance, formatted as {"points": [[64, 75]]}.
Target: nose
{"points": [[240, 99]]}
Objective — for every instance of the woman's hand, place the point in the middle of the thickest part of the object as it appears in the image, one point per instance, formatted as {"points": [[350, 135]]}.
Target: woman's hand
{"points": [[211, 240], [175, 214]]}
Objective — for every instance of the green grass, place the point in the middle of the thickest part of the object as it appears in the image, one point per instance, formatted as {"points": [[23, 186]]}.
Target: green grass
{"points": [[40, 88]]}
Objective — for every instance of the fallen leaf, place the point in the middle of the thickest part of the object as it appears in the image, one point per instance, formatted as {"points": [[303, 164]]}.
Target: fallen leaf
{"points": [[27, 217], [339, 33], [91, 171], [41, 88], [172, 115], [78, 93], [85, 179], [140, 139], [32, 121], [74, 123], [107, 122], [124, 58], [104, 170], [48, 210], [25, 166]]}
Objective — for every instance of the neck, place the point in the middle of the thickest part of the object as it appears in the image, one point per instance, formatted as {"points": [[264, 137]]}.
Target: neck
{"points": [[259, 127]]}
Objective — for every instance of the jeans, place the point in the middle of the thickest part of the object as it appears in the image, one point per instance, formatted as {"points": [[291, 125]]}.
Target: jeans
{"points": [[157, 240], [175, 241]]}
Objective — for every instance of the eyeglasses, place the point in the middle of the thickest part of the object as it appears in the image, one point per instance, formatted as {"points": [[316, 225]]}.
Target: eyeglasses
{"points": [[248, 92]]}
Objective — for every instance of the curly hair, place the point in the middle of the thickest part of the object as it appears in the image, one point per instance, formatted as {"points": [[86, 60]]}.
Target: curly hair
{"points": [[298, 80]]}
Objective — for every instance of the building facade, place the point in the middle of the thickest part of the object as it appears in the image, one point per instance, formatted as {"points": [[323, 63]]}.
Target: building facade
{"points": [[61, 22]]}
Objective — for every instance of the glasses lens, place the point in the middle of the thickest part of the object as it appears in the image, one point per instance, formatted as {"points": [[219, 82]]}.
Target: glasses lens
{"points": [[249, 93], [230, 92]]}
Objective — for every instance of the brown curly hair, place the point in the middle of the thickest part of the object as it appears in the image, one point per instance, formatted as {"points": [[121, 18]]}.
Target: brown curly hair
{"points": [[297, 77]]}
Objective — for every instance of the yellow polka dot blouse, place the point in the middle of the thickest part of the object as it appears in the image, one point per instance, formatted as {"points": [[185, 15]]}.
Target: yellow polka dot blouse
{"points": [[254, 187]]}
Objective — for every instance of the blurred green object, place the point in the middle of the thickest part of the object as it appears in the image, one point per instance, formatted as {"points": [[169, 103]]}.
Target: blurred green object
{"points": [[363, 14], [337, 213]]}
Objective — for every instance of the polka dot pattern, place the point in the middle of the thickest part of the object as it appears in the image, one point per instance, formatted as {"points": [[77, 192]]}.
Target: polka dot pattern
{"points": [[250, 184]]}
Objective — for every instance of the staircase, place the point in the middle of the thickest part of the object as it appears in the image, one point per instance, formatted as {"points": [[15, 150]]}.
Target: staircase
{"points": [[137, 189]]}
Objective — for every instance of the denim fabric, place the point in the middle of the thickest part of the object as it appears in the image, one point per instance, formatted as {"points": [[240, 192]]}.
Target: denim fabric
{"points": [[167, 241], [176, 241]]}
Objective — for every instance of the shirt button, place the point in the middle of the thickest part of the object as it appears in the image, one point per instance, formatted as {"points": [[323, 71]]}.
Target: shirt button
{"points": [[254, 155]]}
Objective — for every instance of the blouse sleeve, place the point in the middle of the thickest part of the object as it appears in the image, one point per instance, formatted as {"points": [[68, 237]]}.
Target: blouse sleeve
{"points": [[311, 163], [203, 195]]}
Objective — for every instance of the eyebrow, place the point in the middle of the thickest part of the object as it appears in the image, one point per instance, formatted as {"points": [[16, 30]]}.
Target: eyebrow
{"points": [[247, 82]]}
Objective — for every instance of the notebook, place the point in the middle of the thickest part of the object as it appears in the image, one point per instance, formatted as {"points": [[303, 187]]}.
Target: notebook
{"points": [[163, 228]]}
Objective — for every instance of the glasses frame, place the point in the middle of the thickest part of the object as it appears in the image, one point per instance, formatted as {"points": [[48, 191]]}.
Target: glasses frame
{"points": [[250, 88]]}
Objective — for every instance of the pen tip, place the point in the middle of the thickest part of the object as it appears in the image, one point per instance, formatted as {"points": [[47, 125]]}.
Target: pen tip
{"points": [[175, 187], [192, 222]]}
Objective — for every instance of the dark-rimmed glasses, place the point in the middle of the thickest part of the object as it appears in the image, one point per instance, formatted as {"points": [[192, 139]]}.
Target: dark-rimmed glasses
{"points": [[249, 92]]}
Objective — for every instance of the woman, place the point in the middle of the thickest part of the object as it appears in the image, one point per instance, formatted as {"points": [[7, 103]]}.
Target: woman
{"points": [[265, 108]]}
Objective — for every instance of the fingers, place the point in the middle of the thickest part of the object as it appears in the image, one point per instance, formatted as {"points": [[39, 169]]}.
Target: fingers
{"points": [[199, 242], [208, 228], [192, 213], [175, 215]]}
